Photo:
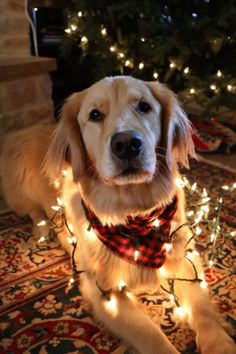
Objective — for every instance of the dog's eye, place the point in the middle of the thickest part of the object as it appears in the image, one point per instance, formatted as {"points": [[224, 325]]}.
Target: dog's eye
{"points": [[144, 107], [95, 115]]}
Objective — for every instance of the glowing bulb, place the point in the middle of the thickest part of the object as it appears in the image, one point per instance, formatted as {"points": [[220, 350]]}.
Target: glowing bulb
{"points": [[68, 30], [211, 262], [206, 199], [35, 9], [204, 193], [234, 185], [121, 55], [213, 236], [56, 184], [198, 230], [41, 239], [141, 66], [136, 254], [104, 32], [73, 27], [64, 173], [232, 233], [180, 311], [229, 87], [213, 87], [179, 182], [192, 91], [194, 186], [168, 247], [163, 271], [59, 201], [203, 284], [156, 223], [71, 281], [112, 49], [172, 298], [42, 223], [219, 73], [80, 14], [121, 285], [172, 65], [72, 240], [190, 213], [84, 39], [111, 305], [142, 39], [195, 253], [186, 70], [55, 207], [226, 188], [155, 75], [127, 62]]}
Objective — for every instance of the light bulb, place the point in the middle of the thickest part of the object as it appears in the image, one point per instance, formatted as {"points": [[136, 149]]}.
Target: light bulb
{"points": [[121, 285], [104, 32], [136, 254], [141, 66], [55, 207], [213, 87], [155, 75], [42, 223], [41, 239], [192, 91], [84, 39], [186, 70], [203, 284]]}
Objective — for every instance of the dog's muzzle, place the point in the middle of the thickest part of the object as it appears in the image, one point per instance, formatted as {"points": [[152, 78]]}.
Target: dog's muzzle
{"points": [[126, 145]]}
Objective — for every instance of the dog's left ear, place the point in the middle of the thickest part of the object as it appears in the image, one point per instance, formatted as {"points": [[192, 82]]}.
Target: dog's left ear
{"points": [[176, 128]]}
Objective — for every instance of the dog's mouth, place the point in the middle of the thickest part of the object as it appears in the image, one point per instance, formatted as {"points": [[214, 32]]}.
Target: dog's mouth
{"points": [[129, 171], [132, 173]]}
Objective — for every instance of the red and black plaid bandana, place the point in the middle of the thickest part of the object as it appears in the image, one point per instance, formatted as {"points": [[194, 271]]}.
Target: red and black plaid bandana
{"points": [[138, 241]]}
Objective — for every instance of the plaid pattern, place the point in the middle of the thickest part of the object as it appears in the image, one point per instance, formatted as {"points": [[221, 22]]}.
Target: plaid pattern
{"points": [[138, 234]]}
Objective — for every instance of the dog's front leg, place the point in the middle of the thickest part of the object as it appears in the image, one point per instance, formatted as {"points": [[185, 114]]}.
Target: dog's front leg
{"points": [[124, 318], [211, 337]]}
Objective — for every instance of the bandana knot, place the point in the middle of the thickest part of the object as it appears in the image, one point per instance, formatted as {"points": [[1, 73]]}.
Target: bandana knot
{"points": [[139, 241]]}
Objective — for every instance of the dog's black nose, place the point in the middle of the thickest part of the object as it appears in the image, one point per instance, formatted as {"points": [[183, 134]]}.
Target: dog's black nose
{"points": [[126, 145]]}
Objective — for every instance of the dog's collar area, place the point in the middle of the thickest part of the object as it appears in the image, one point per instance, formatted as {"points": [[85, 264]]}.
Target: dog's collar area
{"points": [[141, 240]]}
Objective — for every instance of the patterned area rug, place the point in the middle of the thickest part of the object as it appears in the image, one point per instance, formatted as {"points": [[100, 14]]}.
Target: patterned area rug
{"points": [[40, 314]]}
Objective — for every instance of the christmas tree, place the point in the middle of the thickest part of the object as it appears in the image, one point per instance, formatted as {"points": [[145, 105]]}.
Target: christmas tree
{"points": [[189, 45]]}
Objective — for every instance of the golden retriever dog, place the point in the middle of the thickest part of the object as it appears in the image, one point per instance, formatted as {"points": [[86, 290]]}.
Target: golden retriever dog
{"points": [[120, 141]]}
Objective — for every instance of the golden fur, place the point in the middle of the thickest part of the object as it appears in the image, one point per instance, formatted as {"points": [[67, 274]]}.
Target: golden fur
{"points": [[96, 176]]}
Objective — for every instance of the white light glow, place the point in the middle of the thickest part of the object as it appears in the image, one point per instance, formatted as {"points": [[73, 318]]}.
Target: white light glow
{"points": [[55, 207], [111, 305], [141, 66], [121, 285], [136, 254], [156, 223], [42, 223]]}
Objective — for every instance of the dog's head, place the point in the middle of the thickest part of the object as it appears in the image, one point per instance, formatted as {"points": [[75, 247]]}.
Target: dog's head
{"points": [[122, 131]]}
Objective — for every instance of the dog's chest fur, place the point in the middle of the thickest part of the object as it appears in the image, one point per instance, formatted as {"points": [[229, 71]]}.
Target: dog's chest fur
{"points": [[107, 268]]}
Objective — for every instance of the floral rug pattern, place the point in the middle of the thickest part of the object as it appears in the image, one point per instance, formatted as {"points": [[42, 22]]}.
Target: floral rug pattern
{"points": [[39, 313]]}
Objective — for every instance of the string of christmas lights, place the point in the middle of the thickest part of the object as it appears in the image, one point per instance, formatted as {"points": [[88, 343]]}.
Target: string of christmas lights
{"points": [[200, 207], [77, 27]]}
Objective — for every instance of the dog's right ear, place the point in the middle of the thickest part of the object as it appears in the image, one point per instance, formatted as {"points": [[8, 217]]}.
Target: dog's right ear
{"points": [[67, 144]]}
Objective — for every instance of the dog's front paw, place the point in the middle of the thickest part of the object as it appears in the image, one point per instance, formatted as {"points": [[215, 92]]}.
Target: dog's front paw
{"points": [[216, 343]]}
